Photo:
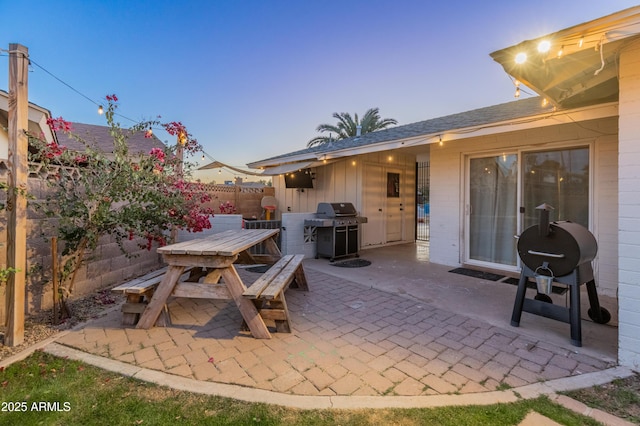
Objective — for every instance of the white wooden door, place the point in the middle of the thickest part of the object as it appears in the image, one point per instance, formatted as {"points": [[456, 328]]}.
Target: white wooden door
{"points": [[373, 232], [394, 213]]}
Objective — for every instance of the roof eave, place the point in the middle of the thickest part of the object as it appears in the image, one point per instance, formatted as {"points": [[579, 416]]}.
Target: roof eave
{"points": [[578, 69], [550, 118]]}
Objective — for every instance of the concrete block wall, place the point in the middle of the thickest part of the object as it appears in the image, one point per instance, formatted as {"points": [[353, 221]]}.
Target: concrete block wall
{"points": [[104, 267], [629, 207], [296, 238]]}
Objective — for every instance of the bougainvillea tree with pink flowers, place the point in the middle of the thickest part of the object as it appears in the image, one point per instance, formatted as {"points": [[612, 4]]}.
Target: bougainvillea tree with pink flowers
{"points": [[139, 197]]}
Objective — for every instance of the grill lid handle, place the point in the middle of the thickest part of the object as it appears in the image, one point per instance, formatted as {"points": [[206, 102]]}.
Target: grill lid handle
{"points": [[541, 253]]}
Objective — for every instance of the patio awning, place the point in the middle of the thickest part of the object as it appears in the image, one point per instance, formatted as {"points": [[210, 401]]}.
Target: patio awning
{"points": [[219, 165]]}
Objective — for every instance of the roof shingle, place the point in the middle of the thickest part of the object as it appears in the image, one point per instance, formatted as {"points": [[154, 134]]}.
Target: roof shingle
{"points": [[475, 118], [99, 138]]}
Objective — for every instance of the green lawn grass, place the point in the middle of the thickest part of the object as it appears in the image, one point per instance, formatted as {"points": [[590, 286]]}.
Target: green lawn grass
{"points": [[47, 390]]}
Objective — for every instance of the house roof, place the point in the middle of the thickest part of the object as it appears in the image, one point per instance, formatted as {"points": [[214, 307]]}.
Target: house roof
{"points": [[462, 122], [37, 116], [99, 137]]}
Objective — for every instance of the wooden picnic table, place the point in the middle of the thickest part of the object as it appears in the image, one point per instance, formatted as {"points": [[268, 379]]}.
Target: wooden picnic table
{"points": [[215, 255]]}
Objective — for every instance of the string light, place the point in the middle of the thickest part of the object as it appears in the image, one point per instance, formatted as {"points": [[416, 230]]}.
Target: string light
{"points": [[561, 51], [517, 94], [544, 46], [100, 107], [440, 140]]}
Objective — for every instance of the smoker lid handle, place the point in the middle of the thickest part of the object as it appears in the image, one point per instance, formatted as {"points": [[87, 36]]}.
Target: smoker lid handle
{"points": [[541, 253]]}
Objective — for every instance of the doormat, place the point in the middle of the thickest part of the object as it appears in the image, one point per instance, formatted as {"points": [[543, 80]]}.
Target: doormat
{"points": [[555, 289], [258, 269], [477, 274], [352, 263]]}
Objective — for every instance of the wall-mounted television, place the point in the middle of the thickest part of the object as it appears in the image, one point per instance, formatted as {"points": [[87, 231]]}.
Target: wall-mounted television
{"points": [[299, 179]]}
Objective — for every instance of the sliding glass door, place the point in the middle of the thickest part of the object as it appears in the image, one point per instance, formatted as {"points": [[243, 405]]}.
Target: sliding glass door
{"points": [[497, 210], [558, 178], [493, 207]]}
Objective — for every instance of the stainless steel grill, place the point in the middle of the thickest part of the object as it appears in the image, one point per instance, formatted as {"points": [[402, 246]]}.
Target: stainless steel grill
{"points": [[337, 230]]}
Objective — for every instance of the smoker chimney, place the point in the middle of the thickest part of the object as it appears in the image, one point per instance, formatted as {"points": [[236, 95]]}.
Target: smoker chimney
{"points": [[358, 130], [543, 225]]}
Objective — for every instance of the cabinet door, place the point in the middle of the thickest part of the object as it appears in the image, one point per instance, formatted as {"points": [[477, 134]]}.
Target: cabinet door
{"points": [[340, 241], [352, 239]]}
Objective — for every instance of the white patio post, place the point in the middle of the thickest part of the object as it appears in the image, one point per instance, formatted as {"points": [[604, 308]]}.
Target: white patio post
{"points": [[629, 207]]}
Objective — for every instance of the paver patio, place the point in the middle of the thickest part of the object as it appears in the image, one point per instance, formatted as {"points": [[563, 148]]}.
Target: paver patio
{"points": [[347, 339]]}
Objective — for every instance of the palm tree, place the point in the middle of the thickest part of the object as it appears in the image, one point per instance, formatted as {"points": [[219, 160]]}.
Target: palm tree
{"points": [[348, 126]]}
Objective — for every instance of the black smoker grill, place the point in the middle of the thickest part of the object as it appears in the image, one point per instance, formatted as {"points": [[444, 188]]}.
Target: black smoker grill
{"points": [[337, 230], [558, 252]]}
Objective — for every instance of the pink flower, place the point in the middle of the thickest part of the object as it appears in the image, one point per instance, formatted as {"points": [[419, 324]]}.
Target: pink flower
{"points": [[112, 98], [158, 153], [53, 150], [175, 128], [59, 124]]}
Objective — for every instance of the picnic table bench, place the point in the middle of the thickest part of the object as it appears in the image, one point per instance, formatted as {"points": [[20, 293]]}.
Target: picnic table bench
{"points": [[267, 292], [139, 291]]}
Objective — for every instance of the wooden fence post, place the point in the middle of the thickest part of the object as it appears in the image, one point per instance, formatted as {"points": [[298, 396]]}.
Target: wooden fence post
{"points": [[17, 187]]}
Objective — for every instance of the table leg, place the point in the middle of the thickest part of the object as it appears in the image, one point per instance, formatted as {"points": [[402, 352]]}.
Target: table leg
{"points": [[160, 296], [248, 310], [271, 247]]}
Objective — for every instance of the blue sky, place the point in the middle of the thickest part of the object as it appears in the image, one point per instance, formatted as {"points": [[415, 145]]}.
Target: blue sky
{"points": [[252, 79]]}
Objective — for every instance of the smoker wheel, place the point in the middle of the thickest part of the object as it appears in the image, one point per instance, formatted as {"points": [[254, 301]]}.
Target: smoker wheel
{"points": [[604, 317], [543, 298]]}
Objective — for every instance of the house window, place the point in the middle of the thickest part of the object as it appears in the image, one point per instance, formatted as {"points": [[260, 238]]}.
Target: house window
{"points": [[393, 185]]}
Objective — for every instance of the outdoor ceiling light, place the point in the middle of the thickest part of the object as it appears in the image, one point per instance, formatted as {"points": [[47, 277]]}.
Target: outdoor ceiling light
{"points": [[521, 58]]}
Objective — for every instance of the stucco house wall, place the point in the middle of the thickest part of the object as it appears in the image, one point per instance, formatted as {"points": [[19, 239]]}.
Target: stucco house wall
{"points": [[448, 206]]}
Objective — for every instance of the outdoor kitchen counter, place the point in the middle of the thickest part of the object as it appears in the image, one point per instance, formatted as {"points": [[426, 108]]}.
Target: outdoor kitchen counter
{"points": [[216, 255]]}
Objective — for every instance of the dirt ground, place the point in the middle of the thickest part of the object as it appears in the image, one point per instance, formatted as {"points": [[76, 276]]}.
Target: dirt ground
{"points": [[620, 398], [40, 326]]}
